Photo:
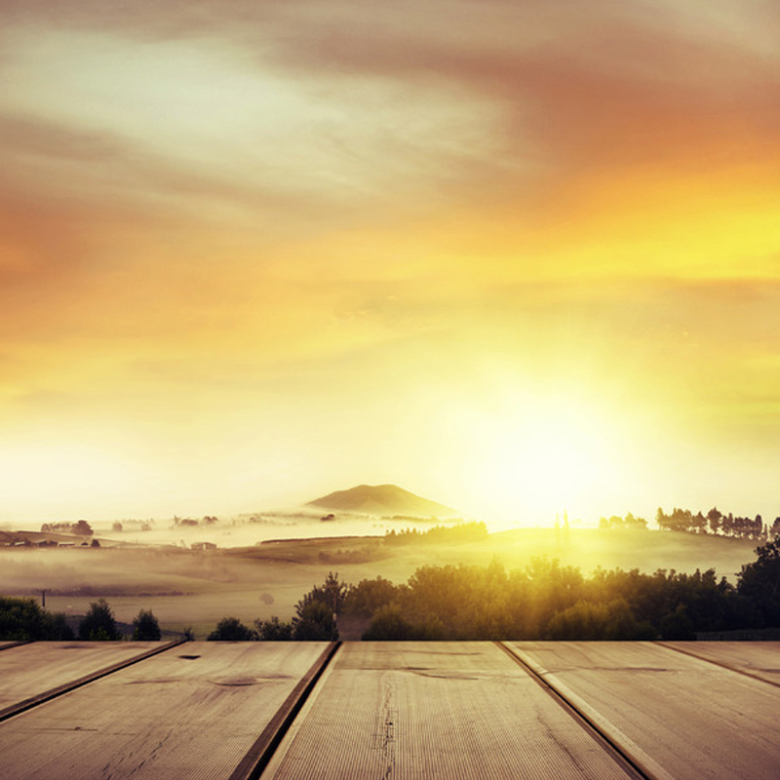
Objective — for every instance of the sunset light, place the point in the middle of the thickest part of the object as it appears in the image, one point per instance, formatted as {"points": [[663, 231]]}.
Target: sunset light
{"points": [[519, 257], [539, 459], [389, 389]]}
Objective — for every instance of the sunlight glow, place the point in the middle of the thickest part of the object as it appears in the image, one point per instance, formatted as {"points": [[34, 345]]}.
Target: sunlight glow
{"points": [[549, 460], [521, 263]]}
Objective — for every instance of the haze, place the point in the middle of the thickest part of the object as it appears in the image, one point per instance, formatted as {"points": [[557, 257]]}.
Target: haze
{"points": [[516, 257]]}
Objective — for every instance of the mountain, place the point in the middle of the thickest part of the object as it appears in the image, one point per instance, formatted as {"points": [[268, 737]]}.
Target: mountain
{"points": [[382, 500]]}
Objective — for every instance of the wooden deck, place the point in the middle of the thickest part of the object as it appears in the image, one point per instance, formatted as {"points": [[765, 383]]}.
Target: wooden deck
{"points": [[405, 710]]}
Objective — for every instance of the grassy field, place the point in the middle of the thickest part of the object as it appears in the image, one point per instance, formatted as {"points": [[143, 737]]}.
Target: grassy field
{"points": [[187, 589]]}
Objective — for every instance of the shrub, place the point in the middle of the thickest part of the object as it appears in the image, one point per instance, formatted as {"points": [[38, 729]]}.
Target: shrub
{"points": [[145, 627], [231, 629]]}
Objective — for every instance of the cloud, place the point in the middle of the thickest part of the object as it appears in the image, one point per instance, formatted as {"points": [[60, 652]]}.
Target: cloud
{"points": [[307, 220], [614, 92], [516, 103]]}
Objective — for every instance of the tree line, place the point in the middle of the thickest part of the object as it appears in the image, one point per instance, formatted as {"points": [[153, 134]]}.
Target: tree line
{"points": [[81, 528], [545, 600], [473, 531], [628, 522], [23, 619], [717, 523]]}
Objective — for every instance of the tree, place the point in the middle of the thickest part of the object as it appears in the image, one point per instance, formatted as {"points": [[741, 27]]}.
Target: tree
{"points": [[274, 630], [630, 522], [714, 518], [365, 598], [25, 620], [315, 622], [332, 592], [677, 625], [585, 620], [99, 624], [759, 581], [638, 523], [389, 625], [145, 627], [82, 528], [231, 629]]}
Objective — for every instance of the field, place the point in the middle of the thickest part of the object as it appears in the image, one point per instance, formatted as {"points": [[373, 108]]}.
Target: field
{"points": [[189, 589]]}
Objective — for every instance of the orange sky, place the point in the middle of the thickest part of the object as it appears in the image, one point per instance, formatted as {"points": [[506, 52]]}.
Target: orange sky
{"points": [[515, 257]]}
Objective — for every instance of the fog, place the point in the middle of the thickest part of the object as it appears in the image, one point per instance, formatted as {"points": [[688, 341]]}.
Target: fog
{"points": [[247, 530], [159, 569], [249, 577]]}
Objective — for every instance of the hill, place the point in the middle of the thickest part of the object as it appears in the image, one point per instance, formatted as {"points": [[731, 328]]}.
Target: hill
{"points": [[383, 500]]}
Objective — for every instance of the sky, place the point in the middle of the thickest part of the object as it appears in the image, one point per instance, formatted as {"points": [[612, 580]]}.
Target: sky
{"points": [[516, 257]]}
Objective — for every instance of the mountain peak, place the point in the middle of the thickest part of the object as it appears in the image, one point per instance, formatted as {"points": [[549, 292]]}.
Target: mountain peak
{"points": [[382, 500]]}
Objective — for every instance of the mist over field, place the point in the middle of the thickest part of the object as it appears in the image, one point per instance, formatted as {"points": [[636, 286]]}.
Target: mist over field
{"points": [[250, 576], [242, 531], [192, 572]]}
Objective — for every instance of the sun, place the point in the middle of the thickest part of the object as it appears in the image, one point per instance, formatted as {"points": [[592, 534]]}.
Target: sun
{"points": [[546, 459]]}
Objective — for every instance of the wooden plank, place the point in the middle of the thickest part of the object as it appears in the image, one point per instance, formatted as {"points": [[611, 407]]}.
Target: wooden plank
{"points": [[436, 710], [9, 645], [760, 660], [696, 720], [193, 712], [259, 754], [626, 747], [34, 669]]}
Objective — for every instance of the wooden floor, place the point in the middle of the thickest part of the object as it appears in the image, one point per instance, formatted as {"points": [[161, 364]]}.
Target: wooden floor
{"points": [[403, 710]]}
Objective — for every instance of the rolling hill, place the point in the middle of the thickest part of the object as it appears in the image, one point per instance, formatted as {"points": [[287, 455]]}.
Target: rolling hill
{"points": [[383, 500]]}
